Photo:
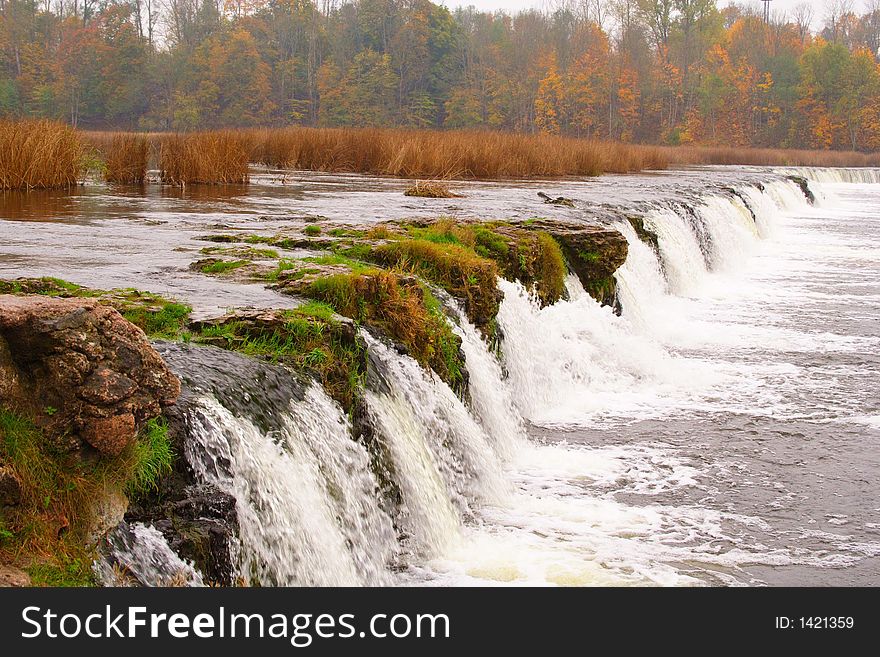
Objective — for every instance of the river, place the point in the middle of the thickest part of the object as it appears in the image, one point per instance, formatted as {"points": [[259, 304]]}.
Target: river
{"points": [[723, 430]]}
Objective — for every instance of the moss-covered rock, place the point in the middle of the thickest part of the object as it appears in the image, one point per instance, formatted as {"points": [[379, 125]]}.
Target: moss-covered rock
{"points": [[311, 338], [644, 233], [157, 316], [593, 253], [400, 306]]}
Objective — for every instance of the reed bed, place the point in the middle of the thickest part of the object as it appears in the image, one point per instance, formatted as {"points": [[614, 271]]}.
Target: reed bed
{"points": [[39, 154], [431, 189], [44, 154], [695, 155], [447, 155], [204, 158], [126, 159]]}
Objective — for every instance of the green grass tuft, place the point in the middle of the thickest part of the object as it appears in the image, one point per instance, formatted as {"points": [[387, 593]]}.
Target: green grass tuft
{"points": [[153, 458], [222, 266], [169, 322], [60, 491]]}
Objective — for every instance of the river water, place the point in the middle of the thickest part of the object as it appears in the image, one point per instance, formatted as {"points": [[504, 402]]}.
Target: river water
{"points": [[723, 430]]}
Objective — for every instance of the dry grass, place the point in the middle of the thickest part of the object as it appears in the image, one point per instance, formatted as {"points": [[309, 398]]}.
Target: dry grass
{"points": [[37, 154], [453, 266], [403, 309], [431, 189], [695, 155], [205, 158], [446, 155], [126, 159]]}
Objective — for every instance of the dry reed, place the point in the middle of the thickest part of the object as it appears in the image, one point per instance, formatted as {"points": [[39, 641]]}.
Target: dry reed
{"points": [[447, 155], [45, 154], [431, 189], [39, 154], [208, 158], [772, 157], [126, 159]]}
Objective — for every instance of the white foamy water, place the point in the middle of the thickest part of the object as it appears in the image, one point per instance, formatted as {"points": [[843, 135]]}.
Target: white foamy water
{"points": [[307, 503], [142, 554], [711, 433], [721, 430]]}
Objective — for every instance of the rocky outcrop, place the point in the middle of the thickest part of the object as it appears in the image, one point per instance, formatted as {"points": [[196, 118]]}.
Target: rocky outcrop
{"points": [[593, 253], [80, 371], [10, 576], [10, 486], [646, 235], [559, 200], [804, 185]]}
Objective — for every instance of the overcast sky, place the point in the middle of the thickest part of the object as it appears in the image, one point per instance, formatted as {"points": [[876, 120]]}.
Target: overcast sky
{"points": [[515, 5]]}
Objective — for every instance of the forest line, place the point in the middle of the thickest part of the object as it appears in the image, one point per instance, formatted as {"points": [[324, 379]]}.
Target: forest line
{"points": [[645, 71]]}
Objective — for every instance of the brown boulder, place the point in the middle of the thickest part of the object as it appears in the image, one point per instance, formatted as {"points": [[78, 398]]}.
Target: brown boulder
{"points": [[10, 486], [13, 577], [78, 368]]}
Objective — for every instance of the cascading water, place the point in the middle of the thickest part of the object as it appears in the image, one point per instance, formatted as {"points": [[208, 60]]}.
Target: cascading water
{"points": [[307, 505], [141, 553], [598, 449], [440, 458], [867, 175]]}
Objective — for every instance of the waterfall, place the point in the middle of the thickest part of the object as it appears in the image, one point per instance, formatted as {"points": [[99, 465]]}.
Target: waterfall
{"points": [[834, 174], [575, 361], [492, 402], [307, 504], [142, 553], [430, 472], [440, 458]]}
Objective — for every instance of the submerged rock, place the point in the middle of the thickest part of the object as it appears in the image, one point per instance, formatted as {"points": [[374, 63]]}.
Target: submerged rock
{"points": [[559, 200], [80, 370], [802, 182]]}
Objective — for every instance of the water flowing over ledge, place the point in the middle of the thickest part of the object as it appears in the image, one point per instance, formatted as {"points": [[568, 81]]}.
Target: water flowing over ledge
{"points": [[688, 405], [451, 490]]}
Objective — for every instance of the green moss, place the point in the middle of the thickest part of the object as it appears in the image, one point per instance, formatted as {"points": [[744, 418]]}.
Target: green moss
{"points": [[406, 311], [168, 321], [316, 309], [549, 269], [310, 339], [589, 257], [283, 265], [602, 289], [47, 286], [454, 267], [60, 491], [257, 239], [222, 266], [447, 345], [240, 251], [346, 232], [489, 244], [353, 251], [357, 266], [312, 230], [441, 232]]}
